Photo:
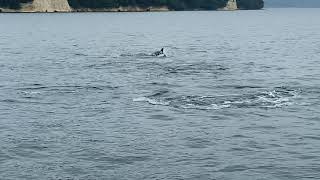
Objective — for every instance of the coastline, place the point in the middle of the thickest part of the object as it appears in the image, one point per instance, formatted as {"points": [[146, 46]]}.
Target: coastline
{"points": [[28, 9], [42, 6], [124, 9], [111, 10], [64, 6]]}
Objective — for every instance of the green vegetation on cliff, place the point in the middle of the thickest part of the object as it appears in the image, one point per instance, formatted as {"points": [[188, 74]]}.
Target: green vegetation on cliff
{"points": [[171, 4], [13, 4], [250, 4]]}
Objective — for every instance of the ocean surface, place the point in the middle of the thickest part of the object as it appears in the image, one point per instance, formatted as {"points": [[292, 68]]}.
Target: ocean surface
{"points": [[236, 98]]}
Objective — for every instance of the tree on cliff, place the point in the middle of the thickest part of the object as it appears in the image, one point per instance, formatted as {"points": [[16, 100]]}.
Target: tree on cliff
{"points": [[13, 4], [172, 4], [250, 4]]}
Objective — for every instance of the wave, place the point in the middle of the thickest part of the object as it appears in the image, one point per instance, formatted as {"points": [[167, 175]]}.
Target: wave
{"points": [[39, 91], [196, 68], [141, 55], [274, 98], [16, 101], [67, 87], [151, 101], [81, 54], [30, 94]]}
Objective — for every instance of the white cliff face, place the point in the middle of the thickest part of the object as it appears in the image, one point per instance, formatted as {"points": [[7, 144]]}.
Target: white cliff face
{"points": [[231, 5], [47, 6]]}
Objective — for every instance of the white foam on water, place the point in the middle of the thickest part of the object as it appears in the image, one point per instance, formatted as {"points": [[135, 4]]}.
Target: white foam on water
{"points": [[210, 107], [266, 99], [151, 101], [30, 92]]}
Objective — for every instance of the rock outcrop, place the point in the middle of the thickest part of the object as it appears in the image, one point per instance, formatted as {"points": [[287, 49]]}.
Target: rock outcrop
{"points": [[47, 6], [231, 5]]}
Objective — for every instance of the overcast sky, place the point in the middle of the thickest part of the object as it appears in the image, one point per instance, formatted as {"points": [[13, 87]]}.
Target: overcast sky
{"points": [[292, 3]]}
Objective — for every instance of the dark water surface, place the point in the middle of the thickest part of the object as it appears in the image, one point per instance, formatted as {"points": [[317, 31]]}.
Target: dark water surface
{"points": [[238, 96]]}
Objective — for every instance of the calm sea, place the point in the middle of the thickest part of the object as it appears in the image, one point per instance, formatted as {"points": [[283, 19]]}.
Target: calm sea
{"points": [[237, 97]]}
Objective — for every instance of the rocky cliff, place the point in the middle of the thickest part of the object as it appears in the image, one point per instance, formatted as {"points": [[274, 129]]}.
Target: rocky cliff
{"points": [[125, 6], [231, 5], [47, 6]]}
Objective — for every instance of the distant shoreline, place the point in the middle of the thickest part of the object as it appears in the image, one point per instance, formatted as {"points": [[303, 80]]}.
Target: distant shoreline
{"points": [[114, 11], [46, 6], [120, 9]]}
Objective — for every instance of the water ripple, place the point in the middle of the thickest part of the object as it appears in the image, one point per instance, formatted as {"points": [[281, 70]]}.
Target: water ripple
{"points": [[274, 98]]}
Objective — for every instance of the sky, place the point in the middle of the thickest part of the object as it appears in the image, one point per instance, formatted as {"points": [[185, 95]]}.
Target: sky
{"points": [[292, 3]]}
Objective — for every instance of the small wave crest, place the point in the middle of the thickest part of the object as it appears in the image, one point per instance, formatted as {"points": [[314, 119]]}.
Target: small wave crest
{"points": [[38, 91], [151, 101], [30, 94]]}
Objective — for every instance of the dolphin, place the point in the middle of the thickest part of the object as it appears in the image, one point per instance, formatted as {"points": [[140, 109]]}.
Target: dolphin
{"points": [[159, 53]]}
